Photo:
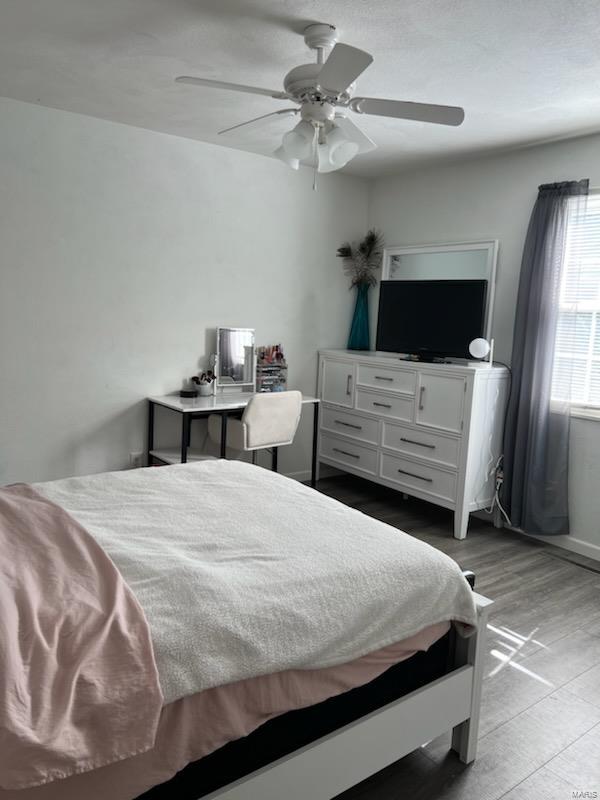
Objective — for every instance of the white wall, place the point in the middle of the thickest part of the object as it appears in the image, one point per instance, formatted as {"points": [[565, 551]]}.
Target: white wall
{"points": [[120, 248], [492, 198]]}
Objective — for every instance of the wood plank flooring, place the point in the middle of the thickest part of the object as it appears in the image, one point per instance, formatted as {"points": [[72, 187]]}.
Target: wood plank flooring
{"points": [[540, 722]]}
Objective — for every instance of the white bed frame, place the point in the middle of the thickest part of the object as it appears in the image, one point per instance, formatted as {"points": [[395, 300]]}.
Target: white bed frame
{"points": [[334, 763]]}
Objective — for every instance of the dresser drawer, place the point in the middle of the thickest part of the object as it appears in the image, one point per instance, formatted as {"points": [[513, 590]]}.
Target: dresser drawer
{"points": [[348, 453], [396, 380], [426, 479], [443, 450], [348, 424], [396, 407]]}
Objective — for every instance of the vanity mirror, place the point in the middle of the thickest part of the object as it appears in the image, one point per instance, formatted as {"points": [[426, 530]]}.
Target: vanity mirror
{"points": [[235, 363]]}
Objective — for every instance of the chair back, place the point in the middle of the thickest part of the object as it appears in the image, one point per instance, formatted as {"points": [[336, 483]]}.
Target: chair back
{"points": [[271, 419]]}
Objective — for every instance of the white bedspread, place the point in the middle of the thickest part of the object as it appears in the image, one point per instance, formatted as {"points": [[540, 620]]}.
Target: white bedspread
{"points": [[243, 572]]}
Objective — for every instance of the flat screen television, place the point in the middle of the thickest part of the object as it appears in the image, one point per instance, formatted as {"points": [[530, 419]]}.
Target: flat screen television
{"points": [[431, 319]]}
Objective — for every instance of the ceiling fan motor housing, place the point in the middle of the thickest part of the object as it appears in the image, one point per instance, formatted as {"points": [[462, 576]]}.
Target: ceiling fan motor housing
{"points": [[301, 80], [302, 83], [317, 112]]}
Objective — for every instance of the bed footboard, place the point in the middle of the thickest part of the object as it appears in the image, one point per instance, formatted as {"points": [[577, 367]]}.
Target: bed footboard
{"points": [[471, 651], [350, 754]]}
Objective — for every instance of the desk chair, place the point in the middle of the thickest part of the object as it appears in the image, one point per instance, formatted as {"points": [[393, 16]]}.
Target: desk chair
{"points": [[270, 420]]}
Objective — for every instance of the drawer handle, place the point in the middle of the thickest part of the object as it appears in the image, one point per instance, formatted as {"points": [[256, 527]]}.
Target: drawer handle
{"points": [[382, 378], [345, 453], [349, 385], [348, 424], [421, 444], [381, 405], [422, 398], [414, 475]]}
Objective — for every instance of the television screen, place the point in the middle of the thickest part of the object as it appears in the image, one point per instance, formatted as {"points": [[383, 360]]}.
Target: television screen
{"points": [[431, 318]]}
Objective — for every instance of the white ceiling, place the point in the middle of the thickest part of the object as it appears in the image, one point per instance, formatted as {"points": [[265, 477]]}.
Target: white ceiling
{"points": [[524, 70]]}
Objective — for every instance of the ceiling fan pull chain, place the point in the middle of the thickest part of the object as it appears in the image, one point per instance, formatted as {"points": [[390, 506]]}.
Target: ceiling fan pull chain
{"points": [[316, 154]]}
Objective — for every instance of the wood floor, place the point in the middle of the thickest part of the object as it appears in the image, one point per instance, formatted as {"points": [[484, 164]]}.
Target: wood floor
{"points": [[540, 721]]}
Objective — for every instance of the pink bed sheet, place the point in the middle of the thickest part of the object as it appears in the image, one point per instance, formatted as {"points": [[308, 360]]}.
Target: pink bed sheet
{"points": [[74, 642], [197, 725]]}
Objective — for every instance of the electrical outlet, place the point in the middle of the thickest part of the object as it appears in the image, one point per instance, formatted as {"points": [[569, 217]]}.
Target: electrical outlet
{"points": [[136, 459]]}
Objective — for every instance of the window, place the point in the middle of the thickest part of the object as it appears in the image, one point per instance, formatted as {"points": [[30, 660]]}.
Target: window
{"points": [[576, 373]]}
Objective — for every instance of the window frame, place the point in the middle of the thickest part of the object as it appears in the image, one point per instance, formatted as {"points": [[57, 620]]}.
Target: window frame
{"points": [[585, 409]]}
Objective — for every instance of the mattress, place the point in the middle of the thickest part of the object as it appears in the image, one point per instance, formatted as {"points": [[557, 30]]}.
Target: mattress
{"points": [[267, 573]]}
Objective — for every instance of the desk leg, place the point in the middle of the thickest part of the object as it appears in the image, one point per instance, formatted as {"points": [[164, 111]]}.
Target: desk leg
{"points": [[185, 436], [223, 435], [150, 438], [315, 441]]}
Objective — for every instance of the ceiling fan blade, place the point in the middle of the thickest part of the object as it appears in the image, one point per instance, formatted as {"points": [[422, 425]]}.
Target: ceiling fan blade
{"points": [[354, 134], [343, 67], [283, 112], [233, 87], [422, 112]]}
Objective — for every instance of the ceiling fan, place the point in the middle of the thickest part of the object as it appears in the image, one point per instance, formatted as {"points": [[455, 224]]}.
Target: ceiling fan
{"points": [[325, 136]]}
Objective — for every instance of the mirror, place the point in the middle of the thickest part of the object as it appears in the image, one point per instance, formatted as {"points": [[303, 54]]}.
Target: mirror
{"points": [[235, 363], [457, 261]]}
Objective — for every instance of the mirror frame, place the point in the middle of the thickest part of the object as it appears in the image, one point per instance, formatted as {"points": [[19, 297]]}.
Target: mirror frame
{"points": [[241, 385], [490, 246]]}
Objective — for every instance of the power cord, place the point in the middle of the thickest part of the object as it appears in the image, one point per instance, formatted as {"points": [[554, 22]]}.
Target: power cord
{"points": [[496, 502], [498, 470]]}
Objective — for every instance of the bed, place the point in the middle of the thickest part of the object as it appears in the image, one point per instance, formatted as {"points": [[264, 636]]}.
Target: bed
{"points": [[224, 617]]}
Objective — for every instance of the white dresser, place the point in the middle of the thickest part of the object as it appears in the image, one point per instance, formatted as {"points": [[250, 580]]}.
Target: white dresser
{"points": [[429, 430]]}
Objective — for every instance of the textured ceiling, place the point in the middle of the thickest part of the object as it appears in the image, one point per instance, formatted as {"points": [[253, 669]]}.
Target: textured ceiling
{"points": [[524, 70]]}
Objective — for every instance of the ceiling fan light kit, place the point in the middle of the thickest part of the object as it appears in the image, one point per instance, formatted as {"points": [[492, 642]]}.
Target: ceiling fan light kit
{"points": [[336, 152], [325, 138], [299, 142], [331, 148], [280, 153]]}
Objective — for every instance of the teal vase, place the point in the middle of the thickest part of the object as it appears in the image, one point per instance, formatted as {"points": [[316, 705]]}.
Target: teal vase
{"points": [[359, 330]]}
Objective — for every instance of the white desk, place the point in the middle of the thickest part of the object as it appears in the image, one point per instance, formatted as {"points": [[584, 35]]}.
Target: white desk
{"points": [[225, 404]]}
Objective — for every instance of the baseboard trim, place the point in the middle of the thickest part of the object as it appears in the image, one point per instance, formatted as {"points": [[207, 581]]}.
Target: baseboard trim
{"points": [[305, 474], [570, 543], [574, 545], [302, 475]]}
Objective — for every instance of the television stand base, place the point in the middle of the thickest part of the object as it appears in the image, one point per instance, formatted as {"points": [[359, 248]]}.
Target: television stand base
{"points": [[425, 358]]}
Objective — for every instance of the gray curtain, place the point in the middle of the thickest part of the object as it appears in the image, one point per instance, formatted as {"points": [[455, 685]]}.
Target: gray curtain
{"points": [[536, 441]]}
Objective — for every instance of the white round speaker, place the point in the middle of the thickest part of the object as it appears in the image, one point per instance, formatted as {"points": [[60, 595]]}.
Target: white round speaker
{"points": [[479, 348]]}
